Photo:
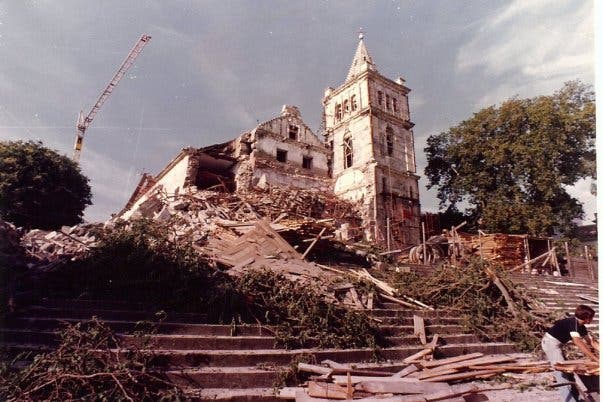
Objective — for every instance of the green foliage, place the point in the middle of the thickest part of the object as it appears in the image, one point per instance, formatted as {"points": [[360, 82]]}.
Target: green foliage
{"points": [[40, 188], [302, 317], [469, 291], [141, 264], [512, 163], [86, 366]]}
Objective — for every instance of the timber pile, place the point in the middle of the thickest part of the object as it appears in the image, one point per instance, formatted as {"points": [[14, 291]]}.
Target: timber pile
{"points": [[581, 367], [420, 380], [502, 248]]}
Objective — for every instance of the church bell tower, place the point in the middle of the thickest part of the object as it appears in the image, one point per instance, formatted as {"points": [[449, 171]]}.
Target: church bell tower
{"points": [[367, 125]]}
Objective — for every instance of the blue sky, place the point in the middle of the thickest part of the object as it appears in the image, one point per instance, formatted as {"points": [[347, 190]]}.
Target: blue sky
{"points": [[213, 69]]}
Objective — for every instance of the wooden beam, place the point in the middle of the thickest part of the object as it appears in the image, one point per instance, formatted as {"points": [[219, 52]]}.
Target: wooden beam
{"points": [[419, 328], [313, 243]]}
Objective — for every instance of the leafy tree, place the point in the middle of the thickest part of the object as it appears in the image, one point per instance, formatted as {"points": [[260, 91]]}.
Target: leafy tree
{"points": [[40, 188], [509, 166]]}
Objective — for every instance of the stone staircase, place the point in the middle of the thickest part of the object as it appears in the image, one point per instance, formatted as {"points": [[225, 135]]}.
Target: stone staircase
{"points": [[562, 294], [241, 362], [235, 362]]}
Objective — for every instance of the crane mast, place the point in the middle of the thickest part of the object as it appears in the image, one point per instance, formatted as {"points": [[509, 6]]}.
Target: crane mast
{"points": [[84, 122]]}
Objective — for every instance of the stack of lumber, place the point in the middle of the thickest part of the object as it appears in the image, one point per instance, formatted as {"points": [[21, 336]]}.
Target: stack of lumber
{"points": [[420, 380], [503, 248], [582, 367]]}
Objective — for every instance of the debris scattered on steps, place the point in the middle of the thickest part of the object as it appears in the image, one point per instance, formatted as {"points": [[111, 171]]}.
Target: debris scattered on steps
{"points": [[582, 366], [422, 379]]}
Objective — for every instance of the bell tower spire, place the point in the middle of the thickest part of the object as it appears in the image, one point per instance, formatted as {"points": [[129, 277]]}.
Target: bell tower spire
{"points": [[362, 59]]}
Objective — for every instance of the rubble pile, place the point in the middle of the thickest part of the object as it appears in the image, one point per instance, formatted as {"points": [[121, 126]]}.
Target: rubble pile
{"points": [[69, 242]]}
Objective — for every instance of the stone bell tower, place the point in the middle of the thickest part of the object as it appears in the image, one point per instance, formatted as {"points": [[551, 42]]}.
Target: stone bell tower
{"points": [[367, 125]]}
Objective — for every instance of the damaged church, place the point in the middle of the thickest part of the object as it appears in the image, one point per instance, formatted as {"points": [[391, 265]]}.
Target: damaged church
{"points": [[366, 157]]}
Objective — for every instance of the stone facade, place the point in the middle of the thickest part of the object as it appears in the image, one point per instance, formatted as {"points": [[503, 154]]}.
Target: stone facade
{"points": [[367, 125], [367, 156]]}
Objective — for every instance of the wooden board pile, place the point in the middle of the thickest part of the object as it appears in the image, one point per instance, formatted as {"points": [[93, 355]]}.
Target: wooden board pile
{"points": [[580, 366], [420, 380]]}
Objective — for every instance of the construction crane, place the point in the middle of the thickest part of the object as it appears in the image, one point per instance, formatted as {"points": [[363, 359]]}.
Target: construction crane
{"points": [[84, 122]]}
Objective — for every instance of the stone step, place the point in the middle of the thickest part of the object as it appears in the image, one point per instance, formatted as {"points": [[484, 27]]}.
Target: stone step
{"points": [[408, 313], [221, 358], [201, 342], [428, 321], [124, 315]]}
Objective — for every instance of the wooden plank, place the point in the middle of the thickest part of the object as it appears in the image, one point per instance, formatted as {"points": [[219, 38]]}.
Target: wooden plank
{"points": [[472, 362], [355, 379], [393, 299], [406, 371], [399, 387], [419, 328], [334, 365], [313, 243], [455, 359], [370, 301], [326, 390], [418, 355], [464, 375], [311, 368]]}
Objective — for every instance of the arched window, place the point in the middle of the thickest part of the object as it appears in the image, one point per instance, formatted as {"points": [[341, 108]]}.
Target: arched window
{"points": [[389, 140], [386, 102], [348, 152], [353, 103], [346, 106], [380, 98], [337, 112], [395, 104]]}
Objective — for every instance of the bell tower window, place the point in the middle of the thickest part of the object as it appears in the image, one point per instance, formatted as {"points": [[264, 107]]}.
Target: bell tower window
{"points": [[389, 140], [348, 152], [337, 112]]}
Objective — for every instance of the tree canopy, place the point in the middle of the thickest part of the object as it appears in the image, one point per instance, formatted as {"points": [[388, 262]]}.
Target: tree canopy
{"points": [[509, 166], [40, 188]]}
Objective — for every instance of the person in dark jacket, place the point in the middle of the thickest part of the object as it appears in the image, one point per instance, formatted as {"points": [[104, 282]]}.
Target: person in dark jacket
{"points": [[562, 331]]}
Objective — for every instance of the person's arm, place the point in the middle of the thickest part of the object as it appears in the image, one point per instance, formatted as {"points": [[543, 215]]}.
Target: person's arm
{"points": [[592, 342], [582, 345]]}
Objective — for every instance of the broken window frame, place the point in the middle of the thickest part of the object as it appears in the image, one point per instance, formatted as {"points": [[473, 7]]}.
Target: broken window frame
{"points": [[281, 155], [307, 162], [348, 152], [293, 132]]}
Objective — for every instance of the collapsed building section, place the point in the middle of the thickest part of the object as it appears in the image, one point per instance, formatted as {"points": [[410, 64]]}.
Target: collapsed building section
{"points": [[367, 158]]}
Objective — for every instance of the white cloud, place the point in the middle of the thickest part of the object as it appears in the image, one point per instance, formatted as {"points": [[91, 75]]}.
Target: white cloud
{"points": [[531, 47]]}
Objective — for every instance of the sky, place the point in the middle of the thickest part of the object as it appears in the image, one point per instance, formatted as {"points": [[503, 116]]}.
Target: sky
{"points": [[214, 69]]}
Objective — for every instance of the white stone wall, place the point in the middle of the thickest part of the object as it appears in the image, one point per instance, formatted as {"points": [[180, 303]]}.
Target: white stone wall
{"points": [[170, 182]]}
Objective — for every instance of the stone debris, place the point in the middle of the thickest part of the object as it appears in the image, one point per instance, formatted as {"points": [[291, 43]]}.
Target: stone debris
{"points": [[69, 242]]}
